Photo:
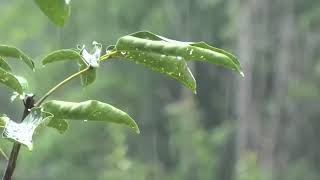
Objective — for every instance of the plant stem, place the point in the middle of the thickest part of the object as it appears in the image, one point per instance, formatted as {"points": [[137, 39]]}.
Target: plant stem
{"points": [[28, 104], [61, 84]]}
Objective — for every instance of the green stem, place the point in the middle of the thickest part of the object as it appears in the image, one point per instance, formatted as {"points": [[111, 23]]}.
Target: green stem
{"points": [[60, 84]]}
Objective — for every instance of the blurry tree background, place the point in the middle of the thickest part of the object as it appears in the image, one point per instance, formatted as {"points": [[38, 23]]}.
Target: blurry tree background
{"points": [[261, 127]]}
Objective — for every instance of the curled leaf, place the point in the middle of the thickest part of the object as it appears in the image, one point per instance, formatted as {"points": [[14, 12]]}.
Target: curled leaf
{"points": [[163, 55], [89, 110]]}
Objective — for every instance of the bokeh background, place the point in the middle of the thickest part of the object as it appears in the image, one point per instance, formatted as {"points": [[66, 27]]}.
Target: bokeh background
{"points": [[261, 127]]}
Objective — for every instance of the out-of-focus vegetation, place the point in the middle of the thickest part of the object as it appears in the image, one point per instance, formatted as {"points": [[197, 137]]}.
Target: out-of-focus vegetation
{"points": [[264, 126]]}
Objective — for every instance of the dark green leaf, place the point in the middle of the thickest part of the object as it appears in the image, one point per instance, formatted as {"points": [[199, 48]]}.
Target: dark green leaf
{"points": [[169, 56], [23, 132], [89, 110], [58, 11], [10, 81], [175, 67], [4, 65], [13, 52]]}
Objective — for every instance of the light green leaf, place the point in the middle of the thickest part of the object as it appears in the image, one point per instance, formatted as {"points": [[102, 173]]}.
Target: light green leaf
{"points": [[60, 124], [23, 132], [58, 11], [69, 54], [13, 52], [4, 65], [10, 81], [89, 110]]}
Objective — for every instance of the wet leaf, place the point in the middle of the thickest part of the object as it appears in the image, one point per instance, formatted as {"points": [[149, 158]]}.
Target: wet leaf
{"points": [[89, 110], [58, 11], [13, 52], [23, 132], [10, 81], [170, 56], [175, 67]]}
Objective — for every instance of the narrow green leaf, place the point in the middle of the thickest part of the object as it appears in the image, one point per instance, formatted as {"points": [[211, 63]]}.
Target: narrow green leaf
{"points": [[89, 110], [23, 132], [58, 11], [10, 81], [4, 65], [69, 54], [13, 52], [60, 124]]}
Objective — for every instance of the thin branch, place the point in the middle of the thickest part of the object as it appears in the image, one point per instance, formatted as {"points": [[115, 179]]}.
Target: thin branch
{"points": [[61, 84]]}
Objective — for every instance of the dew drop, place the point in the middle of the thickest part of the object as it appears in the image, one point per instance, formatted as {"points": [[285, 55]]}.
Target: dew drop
{"points": [[241, 73], [85, 120], [123, 52]]}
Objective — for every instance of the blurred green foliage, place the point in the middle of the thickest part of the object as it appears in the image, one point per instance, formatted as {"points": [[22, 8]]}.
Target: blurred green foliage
{"points": [[184, 137]]}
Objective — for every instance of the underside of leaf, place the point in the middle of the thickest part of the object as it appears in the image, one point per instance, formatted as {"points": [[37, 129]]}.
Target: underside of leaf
{"points": [[13, 52]]}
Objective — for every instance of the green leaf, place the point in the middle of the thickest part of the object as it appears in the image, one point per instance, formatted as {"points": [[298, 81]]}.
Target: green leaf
{"points": [[60, 124], [13, 52], [89, 110], [10, 81], [61, 55], [170, 56], [23, 132], [4, 65], [175, 67], [58, 11], [69, 54]]}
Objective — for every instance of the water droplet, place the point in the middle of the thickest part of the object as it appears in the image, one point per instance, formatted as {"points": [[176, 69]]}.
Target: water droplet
{"points": [[85, 120], [123, 52], [241, 73], [179, 74], [201, 57], [179, 58], [191, 51]]}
